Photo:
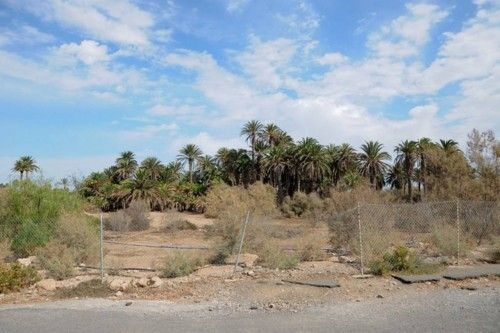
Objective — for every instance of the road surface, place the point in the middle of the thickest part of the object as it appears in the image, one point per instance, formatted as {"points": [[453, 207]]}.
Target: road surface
{"points": [[447, 310]]}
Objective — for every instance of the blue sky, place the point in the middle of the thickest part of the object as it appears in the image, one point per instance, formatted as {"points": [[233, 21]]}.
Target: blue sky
{"points": [[81, 81]]}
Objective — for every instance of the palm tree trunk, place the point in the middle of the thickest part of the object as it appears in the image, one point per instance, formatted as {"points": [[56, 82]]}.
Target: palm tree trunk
{"points": [[21, 173], [190, 171]]}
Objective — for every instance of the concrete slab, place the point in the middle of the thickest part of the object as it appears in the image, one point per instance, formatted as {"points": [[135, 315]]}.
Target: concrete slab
{"points": [[459, 273], [316, 283], [417, 278]]}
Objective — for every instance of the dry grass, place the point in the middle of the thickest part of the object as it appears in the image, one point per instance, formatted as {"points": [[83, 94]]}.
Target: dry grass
{"points": [[80, 235], [181, 264], [57, 260], [272, 256], [132, 218], [5, 251], [309, 249], [92, 289], [174, 221]]}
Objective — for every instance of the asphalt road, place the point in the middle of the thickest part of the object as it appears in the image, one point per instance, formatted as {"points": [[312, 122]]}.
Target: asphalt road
{"points": [[448, 310]]}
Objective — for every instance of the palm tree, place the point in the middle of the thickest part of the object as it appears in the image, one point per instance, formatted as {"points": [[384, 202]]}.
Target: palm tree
{"points": [[449, 146], [25, 165], [423, 147], [275, 163], [312, 161], [342, 159], [372, 163], [207, 170], [153, 167], [126, 164], [140, 188], [251, 131], [190, 153], [406, 154], [271, 134], [395, 177]]}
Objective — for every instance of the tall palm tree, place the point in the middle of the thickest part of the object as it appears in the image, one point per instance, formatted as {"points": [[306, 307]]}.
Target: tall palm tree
{"points": [[126, 164], [190, 153], [275, 163], [153, 167], [372, 163], [24, 165], [395, 177], [423, 147], [342, 159], [207, 170], [271, 134], [312, 161], [251, 131], [406, 153], [140, 187]]}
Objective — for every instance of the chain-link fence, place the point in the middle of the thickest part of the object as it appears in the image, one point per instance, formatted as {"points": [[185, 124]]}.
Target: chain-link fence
{"points": [[441, 231]]}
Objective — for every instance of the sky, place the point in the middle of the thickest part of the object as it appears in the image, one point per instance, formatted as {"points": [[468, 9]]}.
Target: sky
{"points": [[83, 80]]}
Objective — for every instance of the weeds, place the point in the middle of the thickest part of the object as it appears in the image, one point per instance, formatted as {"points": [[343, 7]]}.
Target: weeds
{"points": [[14, 277], [57, 259], [93, 289], [402, 259], [175, 222], [272, 256], [133, 218], [180, 264]]}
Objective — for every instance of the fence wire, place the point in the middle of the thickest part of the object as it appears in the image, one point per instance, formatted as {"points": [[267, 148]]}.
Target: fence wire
{"points": [[440, 231]]}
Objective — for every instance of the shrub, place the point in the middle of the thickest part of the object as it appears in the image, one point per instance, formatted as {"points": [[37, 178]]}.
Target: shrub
{"points": [[93, 288], [57, 260], [401, 259], [444, 237], [118, 221], [81, 237], [14, 277], [29, 237], [258, 198], [132, 218], [309, 249], [5, 251], [180, 264], [220, 253], [175, 222], [272, 256], [138, 213]]}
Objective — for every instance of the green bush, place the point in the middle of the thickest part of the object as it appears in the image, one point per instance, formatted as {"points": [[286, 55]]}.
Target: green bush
{"points": [[180, 264], [57, 260], [29, 237], [402, 260], [272, 256], [14, 277]]}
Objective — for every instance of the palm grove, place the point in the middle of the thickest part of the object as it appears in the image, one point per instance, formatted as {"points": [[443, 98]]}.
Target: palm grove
{"points": [[415, 170]]}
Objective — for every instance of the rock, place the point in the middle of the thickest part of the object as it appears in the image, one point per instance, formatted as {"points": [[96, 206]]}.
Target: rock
{"points": [[128, 304], [142, 282], [380, 296], [347, 259], [27, 261], [253, 307], [47, 284], [118, 293], [250, 273], [119, 284], [245, 260], [155, 282], [271, 305]]}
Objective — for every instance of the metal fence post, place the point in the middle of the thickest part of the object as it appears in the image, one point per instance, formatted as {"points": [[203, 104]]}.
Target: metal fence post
{"points": [[458, 231], [360, 241], [241, 242], [101, 247]]}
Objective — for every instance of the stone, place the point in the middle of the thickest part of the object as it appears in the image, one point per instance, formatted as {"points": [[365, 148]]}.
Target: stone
{"points": [[254, 307], [250, 273], [119, 284], [118, 293], [47, 284], [380, 296], [27, 261], [142, 282], [155, 282], [245, 260], [128, 304]]}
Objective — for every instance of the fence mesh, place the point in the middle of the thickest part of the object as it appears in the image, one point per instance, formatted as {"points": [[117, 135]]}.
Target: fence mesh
{"points": [[447, 231]]}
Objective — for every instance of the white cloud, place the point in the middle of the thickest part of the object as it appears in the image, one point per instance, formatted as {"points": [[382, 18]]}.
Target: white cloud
{"points": [[405, 35], [208, 143], [24, 34], [88, 51], [267, 62], [120, 22]]}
